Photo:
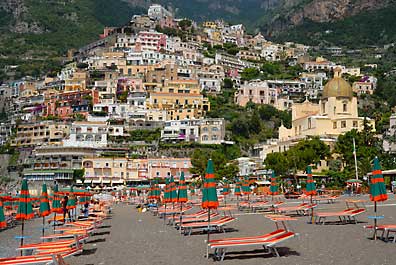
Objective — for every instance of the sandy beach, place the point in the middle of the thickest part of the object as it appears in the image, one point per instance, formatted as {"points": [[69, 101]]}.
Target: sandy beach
{"points": [[130, 237]]}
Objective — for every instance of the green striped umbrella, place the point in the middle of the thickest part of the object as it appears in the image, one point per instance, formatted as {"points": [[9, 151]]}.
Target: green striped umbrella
{"points": [[237, 190], [226, 188], [3, 223], [44, 202], [151, 192], [182, 192], [192, 189], [377, 190], [274, 185], [166, 191], [245, 186], [209, 195], [311, 187], [172, 190], [56, 204], [157, 190], [71, 202], [25, 210]]}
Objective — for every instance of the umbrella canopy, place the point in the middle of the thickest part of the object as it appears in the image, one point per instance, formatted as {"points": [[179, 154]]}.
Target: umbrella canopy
{"points": [[237, 190], [151, 192], [25, 210], [157, 190], [274, 184], [226, 188], [192, 189], [71, 202], [6, 197], [311, 187], [377, 185], [245, 186], [44, 202], [3, 223], [354, 181], [166, 191], [172, 190], [209, 198], [56, 205], [182, 193]]}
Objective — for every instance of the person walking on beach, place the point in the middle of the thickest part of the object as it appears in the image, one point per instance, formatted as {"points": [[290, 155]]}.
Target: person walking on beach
{"points": [[64, 207]]}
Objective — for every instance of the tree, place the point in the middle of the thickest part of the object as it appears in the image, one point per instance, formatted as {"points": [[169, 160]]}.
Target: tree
{"points": [[250, 73]]}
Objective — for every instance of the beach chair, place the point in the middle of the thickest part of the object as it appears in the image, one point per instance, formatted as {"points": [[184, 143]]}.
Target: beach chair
{"points": [[215, 224], [42, 258], [269, 244], [386, 230], [300, 209], [345, 216], [203, 218]]}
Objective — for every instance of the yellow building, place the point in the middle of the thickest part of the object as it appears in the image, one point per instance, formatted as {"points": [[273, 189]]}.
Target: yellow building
{"points": [[77, 82], [180, 98], [336, 113], [138, 71]]}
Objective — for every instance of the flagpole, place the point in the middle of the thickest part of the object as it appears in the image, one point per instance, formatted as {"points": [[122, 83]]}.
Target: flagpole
{"points": [[354, 156]]}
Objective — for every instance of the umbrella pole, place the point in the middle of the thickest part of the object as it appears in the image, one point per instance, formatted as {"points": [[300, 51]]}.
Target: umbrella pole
{"points": [[208, 225], [375, 221], [312, 212], [225, 200], [43, 225], [165, 213], [23, 227], [180, 217]]}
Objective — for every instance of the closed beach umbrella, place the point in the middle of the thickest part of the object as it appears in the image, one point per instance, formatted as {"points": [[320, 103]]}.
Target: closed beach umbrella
{"points": [[274, 185], [226, 188], [182, 192], [237, 190], [3, 223], [245, 186], [209, 196], [166, 192], [172, 190], [44, 204], [225, 191], [71, 202], [56, 201], [157, 191], [377, 190], [25, 210], [192, 189], [310, 189], [151, 192]]}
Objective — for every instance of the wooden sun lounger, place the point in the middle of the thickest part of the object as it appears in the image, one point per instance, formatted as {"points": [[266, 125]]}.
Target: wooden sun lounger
{"points": [[42, 258], [216, 224], [347, 215], [270, 244]]}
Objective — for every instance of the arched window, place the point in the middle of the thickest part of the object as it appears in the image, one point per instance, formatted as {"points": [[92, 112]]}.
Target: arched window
{"points": [[344, 107]]}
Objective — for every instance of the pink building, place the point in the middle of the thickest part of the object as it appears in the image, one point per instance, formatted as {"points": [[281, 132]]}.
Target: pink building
{"points": [[163, 167], [150, 41]]}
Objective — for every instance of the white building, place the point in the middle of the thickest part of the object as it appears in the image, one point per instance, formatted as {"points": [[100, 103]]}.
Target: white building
{"points": [[87, 134], [158, 12]]}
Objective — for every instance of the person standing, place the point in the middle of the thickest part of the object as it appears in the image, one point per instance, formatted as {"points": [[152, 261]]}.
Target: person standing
{"points": [[64, 207]]}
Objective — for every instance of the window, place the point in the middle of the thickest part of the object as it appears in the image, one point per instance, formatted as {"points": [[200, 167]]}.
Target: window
{"points": [[344, 107], [335, 125], [215, 129], [355, 124], [343, 124], [309, 123]]}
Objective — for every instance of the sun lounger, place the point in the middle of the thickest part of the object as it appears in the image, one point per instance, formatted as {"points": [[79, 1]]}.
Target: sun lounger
{"points": [[386, 230], [347, 215], [203, 218], [249, 238], [270, 244], [300, 209], [42, 258], [44, 246], [215, 224]]}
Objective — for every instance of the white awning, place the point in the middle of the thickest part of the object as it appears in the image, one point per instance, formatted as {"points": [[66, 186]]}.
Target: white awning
{"points": [[105, 181], [96, 181]]}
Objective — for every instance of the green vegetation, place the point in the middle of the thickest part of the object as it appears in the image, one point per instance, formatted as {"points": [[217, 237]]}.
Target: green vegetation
{"points": [[272, 70], [305, 153], [147, 136], [368, 28]]}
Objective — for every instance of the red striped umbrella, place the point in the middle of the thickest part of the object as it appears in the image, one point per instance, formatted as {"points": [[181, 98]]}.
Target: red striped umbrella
{"points": [[25, 210], [44, 204], [172, 190], [209, 196], [377, 190], [310, 189], [3, 223], [274, 185]]}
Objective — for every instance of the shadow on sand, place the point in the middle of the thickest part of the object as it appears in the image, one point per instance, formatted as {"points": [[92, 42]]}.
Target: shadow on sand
{"points": [[258, 253]]}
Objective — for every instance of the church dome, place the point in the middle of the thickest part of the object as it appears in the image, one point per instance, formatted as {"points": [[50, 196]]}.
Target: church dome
{"points": [[337, 87]]}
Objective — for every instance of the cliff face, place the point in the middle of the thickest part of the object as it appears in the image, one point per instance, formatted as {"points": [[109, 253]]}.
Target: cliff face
{"points": [[18, 23]]}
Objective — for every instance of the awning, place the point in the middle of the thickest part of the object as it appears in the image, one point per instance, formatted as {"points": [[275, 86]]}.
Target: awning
{"points": [[117, 181], [96, 181], [106, 181]]}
